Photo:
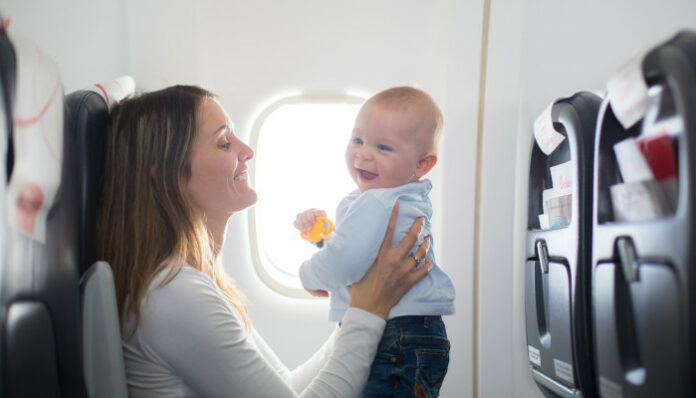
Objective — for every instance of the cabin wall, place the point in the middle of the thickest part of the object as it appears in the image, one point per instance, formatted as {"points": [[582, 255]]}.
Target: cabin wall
{"points": [[252, 53], [539, 50], [88, 39]]}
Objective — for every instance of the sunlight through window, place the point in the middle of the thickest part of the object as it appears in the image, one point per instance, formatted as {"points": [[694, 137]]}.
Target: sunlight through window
{"points": [[299, 164]]}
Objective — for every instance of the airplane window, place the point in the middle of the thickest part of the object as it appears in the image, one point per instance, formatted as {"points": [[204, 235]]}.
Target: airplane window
{"points": [[299, 145]]}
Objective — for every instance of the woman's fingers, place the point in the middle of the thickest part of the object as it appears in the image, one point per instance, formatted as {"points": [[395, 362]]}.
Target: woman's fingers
{"points": [[393, 272], [411, 238], [416, 270], [420, 273], [422, 250]]}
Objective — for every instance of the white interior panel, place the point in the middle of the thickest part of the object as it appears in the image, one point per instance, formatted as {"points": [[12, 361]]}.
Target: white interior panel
{"points": [[87, 39], [540, 50]]}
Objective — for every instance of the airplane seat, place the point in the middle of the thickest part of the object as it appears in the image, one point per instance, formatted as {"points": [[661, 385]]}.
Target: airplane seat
{"points": [[7, 87], [7, 82], [88, 114], [40, 348], [104, 370]]}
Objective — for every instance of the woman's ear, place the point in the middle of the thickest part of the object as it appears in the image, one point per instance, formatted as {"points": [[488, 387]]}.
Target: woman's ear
{"points": [[425, 165], [153, 170]]}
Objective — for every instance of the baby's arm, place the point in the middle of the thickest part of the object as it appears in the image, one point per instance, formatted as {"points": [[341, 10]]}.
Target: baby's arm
{"points": [[352, 248]]}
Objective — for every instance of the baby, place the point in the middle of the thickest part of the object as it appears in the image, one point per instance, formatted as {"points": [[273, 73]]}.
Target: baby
{"points": [[393, 144]]}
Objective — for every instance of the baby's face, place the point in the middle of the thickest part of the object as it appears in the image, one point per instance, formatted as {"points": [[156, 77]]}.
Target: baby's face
{"points": [[384, 149]]}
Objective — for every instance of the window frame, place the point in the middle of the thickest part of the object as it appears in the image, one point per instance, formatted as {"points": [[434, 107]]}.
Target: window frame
{"points": [[262, 269]]}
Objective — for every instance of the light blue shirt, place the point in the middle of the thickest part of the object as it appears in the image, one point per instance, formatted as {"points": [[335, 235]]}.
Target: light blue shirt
{"points": [[361, 222]]}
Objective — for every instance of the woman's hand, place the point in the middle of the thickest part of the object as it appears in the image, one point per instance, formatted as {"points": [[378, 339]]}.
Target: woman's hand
{"points": [[393, 272]]}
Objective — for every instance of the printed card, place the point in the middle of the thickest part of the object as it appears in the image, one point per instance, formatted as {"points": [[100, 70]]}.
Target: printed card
{"points": [[639, 201], [545, 135], [559, 210], [659, 154], [628, 92], [562, 177], [632, 163]]}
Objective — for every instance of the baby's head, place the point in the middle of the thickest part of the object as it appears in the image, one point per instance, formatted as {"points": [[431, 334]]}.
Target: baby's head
{"points": [[395, 138]]}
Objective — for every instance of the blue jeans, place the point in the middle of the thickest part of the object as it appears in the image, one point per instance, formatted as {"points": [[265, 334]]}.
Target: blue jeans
{"points": [[411, 360]]}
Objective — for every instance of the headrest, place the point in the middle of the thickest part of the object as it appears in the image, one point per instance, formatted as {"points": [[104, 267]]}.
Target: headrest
{"points": [[88, 116], [7, 79], [37, 138], [7, 82], [627, 89], [115, 90]]}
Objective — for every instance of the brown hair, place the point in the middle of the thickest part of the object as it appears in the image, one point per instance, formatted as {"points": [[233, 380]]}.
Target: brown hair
{"points": [[146, 223]]}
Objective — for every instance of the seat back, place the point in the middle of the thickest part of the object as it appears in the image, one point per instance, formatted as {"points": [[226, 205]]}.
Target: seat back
{"points": [[87, 114], [7, 83], [104, 371], [87, 117], [40, 338]]}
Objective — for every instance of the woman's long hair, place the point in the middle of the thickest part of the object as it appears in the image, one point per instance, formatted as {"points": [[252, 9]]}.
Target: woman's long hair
{"points": [[146, 224]]}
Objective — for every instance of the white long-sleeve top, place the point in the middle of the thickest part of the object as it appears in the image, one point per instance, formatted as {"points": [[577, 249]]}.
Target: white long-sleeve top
{"points": [[361, 221], [190, 342]]}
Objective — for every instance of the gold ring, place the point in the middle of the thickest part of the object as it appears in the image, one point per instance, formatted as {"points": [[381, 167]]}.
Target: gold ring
{"points": [[413, 256]]}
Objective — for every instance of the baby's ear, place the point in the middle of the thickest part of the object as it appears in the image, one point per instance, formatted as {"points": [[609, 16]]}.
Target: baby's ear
{"points": [[425, 164]]}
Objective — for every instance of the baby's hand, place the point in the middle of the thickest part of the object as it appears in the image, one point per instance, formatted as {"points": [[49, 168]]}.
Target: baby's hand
{"points": [[305, 220]]}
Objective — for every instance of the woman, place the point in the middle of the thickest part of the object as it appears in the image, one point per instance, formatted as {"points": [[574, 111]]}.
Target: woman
{"points": [[175, 173]]}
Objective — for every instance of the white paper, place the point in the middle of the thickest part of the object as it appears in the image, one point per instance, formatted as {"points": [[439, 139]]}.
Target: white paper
{"points": [[557, 208], [563, 370], [545, 135], [562, 177], [547, 194], [639, 201], [534, 355], [631, 161], [115, 90], [560, 210], [38, 138], [628, 92], [670, 187]]}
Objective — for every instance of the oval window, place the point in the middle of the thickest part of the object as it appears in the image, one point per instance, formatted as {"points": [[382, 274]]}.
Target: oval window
{"points": [[299, 145]]}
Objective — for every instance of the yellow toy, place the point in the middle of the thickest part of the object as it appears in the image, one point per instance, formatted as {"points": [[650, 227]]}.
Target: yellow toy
{"points": [[320, 230]]}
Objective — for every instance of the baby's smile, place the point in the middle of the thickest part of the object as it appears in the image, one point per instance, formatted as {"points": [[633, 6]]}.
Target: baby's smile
{"points": [[366, 175]]}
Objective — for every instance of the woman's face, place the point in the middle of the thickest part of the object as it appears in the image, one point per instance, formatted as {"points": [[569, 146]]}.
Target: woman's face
{"points": [[218, 184]]}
